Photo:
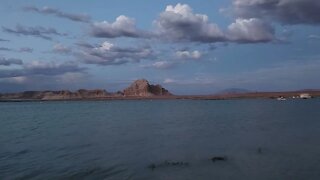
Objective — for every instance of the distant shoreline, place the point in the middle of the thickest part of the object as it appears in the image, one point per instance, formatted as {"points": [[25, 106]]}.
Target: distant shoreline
{"points": [[250, 95], [141, 89]]}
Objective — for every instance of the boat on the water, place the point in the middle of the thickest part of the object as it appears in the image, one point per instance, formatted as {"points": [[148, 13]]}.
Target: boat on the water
{"points": [[281, 98], [305, 96]]}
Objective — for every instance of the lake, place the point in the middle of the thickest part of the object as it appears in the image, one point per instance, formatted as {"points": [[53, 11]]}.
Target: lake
{"points": [[160, 139]]}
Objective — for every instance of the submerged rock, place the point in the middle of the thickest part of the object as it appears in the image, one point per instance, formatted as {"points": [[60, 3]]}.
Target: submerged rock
{"points": [[168, 164], [218, 158]]}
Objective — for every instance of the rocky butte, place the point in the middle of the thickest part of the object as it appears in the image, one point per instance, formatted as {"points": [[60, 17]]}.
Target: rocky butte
{"points": [[142, 88]]}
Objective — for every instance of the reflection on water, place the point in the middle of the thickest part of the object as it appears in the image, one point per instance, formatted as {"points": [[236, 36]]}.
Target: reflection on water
{"points": [[163, 139]]}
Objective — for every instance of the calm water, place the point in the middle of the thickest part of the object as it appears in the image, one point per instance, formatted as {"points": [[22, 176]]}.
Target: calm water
{"points": [[262, 139]]}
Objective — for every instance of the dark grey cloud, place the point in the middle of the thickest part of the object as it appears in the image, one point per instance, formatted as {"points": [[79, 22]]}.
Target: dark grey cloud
{"points": [[42, 68], [26, 49], [37, 31], [52, 68], [3, 40], [23, 49], [84, 45], [56, 12], [109, 54], [5, 49], [284, 11], [10, 61], [122, 27]]}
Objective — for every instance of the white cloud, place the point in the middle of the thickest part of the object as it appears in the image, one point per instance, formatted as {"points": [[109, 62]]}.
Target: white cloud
{"points": [[179, 23], [110, 54], [314, 36], [250, 30], [60, 48], [123, 26], [160, 65], [188, 54], [169, 80], [18, 79]]}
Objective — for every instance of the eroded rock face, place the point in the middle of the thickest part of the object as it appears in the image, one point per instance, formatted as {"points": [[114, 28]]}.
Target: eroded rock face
{"points": [[142, 88]]}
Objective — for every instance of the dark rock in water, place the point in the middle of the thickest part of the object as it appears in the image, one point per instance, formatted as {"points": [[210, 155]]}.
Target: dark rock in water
{"points": [[259, 150], [168, 164], [152, 166], [218, 158]]}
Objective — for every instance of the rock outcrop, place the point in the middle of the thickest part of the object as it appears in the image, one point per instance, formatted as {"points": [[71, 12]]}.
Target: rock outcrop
{"points": [[80, 94], [142, 88], [58, 95]]}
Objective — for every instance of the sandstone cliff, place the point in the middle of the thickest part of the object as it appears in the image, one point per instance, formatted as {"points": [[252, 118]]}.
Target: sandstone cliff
{"points": [[142, 88]]}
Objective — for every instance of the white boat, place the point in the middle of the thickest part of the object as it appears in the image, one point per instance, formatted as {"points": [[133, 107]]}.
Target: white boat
{"points": [[305, 96], [281, 98]]}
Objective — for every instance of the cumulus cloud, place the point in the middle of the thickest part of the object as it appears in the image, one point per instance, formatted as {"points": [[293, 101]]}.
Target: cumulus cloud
{"points": [[250, 31], [42, 68], [110, 54], [123, 26], [188, 54], [37, 31], [284, 11], [179, 23], [10, 61], [61, 49], [56, 12]]}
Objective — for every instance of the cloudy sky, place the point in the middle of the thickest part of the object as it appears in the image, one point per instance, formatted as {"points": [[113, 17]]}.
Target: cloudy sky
{"points": [[190, 47]]}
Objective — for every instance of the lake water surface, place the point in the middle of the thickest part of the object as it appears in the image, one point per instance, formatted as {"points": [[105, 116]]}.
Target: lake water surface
{"points": [[262, 139]]}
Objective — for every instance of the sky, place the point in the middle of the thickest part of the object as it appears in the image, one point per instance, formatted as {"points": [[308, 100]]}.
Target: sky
{"points": [[189, 47]]}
